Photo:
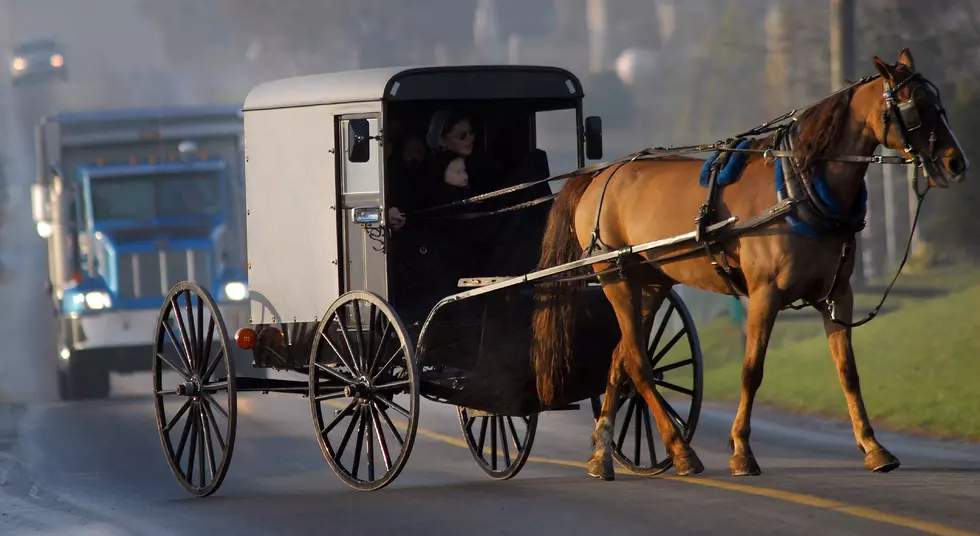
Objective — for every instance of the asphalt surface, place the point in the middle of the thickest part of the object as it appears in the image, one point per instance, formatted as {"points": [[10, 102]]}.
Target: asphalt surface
{"points": [[98, 468]]}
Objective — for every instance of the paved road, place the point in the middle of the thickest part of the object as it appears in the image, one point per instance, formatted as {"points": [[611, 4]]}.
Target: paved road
{"points": [[97, 468]]}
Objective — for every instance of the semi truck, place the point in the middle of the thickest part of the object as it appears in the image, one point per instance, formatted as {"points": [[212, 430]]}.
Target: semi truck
{"points": [[130, 202]]}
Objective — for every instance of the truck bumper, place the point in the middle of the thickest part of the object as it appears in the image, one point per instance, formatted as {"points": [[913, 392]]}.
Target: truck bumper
{"points": [[122, 340]]}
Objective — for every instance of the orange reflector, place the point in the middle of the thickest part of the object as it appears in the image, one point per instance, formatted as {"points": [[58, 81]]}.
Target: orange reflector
{"points": [[133, 160], [245, 338], [153, 159], [204, 156]]}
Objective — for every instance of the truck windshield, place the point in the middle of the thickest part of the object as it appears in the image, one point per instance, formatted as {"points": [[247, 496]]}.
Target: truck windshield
{"points": [[155, 196]]}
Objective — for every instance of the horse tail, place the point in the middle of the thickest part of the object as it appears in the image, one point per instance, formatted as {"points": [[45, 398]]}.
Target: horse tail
{"points": [[553, 320]]}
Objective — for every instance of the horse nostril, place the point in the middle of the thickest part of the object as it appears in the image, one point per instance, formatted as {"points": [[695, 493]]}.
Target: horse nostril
{"points": [[956, 165]]}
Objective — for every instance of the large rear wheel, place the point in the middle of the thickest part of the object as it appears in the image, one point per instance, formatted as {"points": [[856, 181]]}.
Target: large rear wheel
{"points": [[678, 377], [198, 399], [363, 377]]}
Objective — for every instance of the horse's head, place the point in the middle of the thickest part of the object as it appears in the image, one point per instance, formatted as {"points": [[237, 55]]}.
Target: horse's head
{"points": [[913, 122]]}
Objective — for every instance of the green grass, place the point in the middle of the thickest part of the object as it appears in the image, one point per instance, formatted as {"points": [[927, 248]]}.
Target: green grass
{"points": [[919, 361]]}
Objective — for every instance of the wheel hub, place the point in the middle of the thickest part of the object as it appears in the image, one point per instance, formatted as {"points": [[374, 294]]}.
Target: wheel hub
{"points": [[358, 391], [188, 389]]}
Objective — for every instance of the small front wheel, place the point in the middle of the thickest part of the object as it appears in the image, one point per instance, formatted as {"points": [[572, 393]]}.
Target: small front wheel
{"points": [[363, 375], [510, 440]]}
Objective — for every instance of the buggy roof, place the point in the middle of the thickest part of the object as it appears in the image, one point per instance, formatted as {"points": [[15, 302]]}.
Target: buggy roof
{"points": [[392, 84]]}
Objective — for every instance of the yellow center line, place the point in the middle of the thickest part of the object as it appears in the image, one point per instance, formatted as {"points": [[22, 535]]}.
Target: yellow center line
{"points": [[770, 493]]}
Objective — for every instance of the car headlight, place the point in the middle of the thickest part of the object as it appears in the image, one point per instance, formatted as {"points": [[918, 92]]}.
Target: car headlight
{"points": [[57, 60], [236, 291], [97, 300], [19, 64]]}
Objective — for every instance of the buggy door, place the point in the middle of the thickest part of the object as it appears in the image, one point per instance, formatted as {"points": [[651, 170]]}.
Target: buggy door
{"points": [[361, 192]]}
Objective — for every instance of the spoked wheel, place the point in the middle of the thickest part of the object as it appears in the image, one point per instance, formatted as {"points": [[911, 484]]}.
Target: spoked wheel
{"points": [[678, 375], [510, 441], [196, 408], [363, 377]]}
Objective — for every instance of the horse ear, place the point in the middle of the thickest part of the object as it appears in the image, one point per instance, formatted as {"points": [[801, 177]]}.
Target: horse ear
{"points": [[905, 58], [883, 69]]}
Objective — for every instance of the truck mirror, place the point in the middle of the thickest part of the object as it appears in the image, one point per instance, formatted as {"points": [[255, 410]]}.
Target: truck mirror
{"points": [[593, 137], [40, 208], [358, 138]]}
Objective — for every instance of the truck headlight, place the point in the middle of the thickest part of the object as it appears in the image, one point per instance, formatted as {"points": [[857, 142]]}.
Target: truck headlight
{"points": [[97, 300], [236, 291], [19, 64]]}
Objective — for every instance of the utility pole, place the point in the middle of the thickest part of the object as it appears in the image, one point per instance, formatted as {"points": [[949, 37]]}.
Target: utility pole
{"points": [[841, 69], [597, 23]]}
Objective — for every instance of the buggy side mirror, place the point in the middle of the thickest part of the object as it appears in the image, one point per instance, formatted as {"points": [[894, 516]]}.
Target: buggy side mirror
{"points": [[593, 137], [358, 138]]}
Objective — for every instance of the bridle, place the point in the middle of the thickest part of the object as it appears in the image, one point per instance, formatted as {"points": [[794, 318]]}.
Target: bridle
{"points": [[906, 116]]}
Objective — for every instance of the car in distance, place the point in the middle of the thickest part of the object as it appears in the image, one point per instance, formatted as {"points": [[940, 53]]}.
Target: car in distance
{"points": [[38, 59]]}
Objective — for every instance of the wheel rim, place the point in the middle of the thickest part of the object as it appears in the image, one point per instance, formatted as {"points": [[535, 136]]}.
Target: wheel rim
{"points": [[509, 448], [198, 436], [637, 443], [361, 361]]}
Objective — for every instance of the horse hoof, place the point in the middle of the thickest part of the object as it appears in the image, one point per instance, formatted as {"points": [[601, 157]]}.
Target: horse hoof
{"points": [[602, 469], [688, 464], [880, 461], [742, 465]]}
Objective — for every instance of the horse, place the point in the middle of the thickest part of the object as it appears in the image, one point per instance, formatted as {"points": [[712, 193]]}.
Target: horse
{"points": [[797, 257]]}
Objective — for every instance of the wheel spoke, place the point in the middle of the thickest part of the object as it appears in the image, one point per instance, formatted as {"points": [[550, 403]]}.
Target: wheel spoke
{"points": [[343, 333], [214, 426], [503, 441], [207, 352], [513, 433], [178, 370], [339, 355], [370, 343], [493, 442], [670, 409], [355, 417], [207, 397], [391, 360], [214, 365], [361, 359], [183, 439], [637, 433], [180, 353], [381, 437], [214, 387], [483, 435], [200, 330], [389, 423], [357, 444], [183, 409], [673, 387], [392, 386], [192, 343], [626, 424], [381, 346], [331, 396], [339, 417], [673, 366], [662, 328], [667, 347], [212, 466], [340, 377], [396, 407], [192, 451], [183, 334], [649, 431], [198, 422], [369, 441]]}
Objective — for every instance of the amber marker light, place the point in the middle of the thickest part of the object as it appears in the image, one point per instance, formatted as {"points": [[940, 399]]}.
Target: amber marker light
{"points": [[245, 338]]}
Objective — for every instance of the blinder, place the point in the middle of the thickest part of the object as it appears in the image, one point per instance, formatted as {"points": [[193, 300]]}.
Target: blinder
{"points": [[908, 117]]}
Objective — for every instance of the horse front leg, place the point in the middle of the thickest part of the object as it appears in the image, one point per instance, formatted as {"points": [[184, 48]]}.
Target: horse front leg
{"points": [[876, 457], [763, 309]]}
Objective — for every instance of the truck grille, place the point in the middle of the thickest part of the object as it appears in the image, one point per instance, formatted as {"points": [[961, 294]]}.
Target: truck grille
{"points": [[151, 274]]}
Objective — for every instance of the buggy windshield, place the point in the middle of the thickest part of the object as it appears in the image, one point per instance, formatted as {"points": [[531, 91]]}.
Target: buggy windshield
{"points": [[170, 195]]}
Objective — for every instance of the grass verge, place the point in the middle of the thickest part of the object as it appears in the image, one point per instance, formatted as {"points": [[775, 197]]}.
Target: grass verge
{"points": [[919, 360]]}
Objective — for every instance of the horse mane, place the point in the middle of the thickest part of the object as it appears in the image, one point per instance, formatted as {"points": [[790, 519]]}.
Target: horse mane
{"points": [[821, 127]]}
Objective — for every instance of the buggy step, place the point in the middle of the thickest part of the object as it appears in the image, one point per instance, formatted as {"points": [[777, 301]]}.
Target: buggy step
{"points": [[471, 282]]}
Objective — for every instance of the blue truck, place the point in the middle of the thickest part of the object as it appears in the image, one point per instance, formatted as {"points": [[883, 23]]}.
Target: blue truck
{"points": [[131, 202]]}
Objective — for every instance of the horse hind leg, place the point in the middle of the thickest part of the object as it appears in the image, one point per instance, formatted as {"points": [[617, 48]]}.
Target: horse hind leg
{"points": [[601, 463], [625, 298]]}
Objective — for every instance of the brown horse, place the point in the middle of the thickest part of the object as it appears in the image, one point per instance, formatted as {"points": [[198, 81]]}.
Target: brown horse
{"points": [[647, 200]]}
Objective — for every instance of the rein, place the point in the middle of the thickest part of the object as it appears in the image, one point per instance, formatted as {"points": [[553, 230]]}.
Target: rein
{"points": [[901, 112]]}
